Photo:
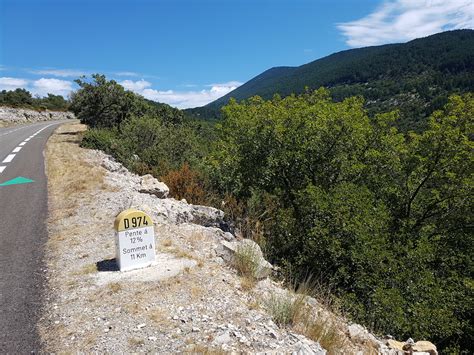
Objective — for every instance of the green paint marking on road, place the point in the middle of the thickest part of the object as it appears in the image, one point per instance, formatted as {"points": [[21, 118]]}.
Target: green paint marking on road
{"points": [[17, 181]]}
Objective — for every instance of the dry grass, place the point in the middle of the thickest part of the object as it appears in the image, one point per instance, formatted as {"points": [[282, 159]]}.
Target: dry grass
{"points": [[71, 284], [196, 239], [196, 291], [291, 309], [246, 263], [68, 174], [204, 350], [133, 308], [158, 316], [324, 330], [114, 287], [253, 304], [180, 253], [322, 326], [247, 283], [90, 340], [285, 308], [87, 269], [166, 243], [135, 342]]}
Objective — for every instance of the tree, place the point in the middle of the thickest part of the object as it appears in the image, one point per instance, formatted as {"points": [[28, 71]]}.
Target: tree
{"points": [[54, 102], [16, 98], [104, 103]]}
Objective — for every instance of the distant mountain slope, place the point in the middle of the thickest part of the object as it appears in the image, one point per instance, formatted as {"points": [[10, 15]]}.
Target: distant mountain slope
{"points": [[415, 77]]}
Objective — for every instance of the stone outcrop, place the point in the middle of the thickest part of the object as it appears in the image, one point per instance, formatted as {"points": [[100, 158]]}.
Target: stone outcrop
{"points": [[152, 197], [227, 251], [152, 186], [422, 347], [9, 115]]}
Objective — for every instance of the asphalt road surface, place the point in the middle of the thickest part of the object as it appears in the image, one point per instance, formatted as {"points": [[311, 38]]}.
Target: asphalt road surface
{"points": [[23, 234]]}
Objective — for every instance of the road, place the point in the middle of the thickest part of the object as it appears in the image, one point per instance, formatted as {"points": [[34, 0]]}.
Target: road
{"points": [[23, 234]]}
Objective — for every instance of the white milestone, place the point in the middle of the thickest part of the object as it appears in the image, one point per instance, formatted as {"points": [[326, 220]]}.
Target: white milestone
{"points": [[135, 240]]}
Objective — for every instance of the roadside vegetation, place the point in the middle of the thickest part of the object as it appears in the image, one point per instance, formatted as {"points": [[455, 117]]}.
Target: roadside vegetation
{"points": [[21, 98], [383, 218]]}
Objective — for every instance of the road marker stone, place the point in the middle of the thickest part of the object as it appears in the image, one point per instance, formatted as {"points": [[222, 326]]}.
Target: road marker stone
{"points": [[134, 240]]}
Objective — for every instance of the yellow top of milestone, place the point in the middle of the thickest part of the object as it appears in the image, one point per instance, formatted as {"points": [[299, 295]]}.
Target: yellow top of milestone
{"points": [[131, 219]]}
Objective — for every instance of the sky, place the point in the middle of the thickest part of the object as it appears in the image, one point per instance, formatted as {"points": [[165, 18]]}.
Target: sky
{"points": [[188, 53]]}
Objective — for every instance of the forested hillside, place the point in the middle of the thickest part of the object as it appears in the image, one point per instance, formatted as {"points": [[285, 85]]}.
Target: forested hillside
{"points": [[415, 78]]}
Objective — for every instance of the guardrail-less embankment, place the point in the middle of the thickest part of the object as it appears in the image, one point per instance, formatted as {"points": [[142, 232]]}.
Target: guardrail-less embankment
{"points": [[11, 116]]}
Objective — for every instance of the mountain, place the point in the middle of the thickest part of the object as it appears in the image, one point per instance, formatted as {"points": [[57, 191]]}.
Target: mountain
{"points": [[414, 77]]}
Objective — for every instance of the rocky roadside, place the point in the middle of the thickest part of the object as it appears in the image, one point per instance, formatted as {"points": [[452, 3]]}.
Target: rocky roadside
{"points": [[191, 301], [12, 116]]}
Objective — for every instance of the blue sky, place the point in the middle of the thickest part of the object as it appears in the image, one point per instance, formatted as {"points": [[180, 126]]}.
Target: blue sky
{"points": [[188, 53]]}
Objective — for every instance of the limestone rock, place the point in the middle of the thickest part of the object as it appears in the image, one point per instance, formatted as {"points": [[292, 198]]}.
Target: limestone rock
{"points": [[151, 185], [305, 346], [112, 165], [224, 338], [394, 344], [421, 346], [425, 346], [418, 348], [20, 115], [227, 251], [356, 331], [362, 336], [207, 216]]}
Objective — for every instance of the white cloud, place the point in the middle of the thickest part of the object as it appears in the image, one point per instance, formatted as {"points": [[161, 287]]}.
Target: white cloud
{"points": [[136, 86], [44, 86], [40, 87], [181, 99], [403, 20], [126, 73], [7, 83], [64, 73]]}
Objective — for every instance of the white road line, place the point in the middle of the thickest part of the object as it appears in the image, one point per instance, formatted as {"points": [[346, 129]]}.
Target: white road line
{"points": [[13, 130], [9, 158], [17, 129]]}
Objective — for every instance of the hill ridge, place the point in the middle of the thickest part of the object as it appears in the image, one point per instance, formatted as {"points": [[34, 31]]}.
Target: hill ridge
{"points": [[425, 69]]}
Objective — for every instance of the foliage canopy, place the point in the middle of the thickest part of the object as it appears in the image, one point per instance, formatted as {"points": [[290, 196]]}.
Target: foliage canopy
{"points": [[383, 217], [21, 98]]}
